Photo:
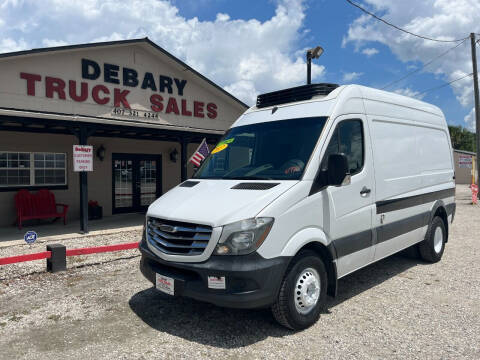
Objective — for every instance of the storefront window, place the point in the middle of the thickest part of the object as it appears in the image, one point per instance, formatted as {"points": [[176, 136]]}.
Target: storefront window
{"points": [[32, 169], [49, 169]]}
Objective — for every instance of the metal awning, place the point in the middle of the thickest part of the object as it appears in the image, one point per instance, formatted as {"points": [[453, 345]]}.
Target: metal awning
{"points": [[84, 129], [106, 128]]}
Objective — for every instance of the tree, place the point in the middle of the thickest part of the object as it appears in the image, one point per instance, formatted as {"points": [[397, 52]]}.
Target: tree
{"points": [[462, 139]]}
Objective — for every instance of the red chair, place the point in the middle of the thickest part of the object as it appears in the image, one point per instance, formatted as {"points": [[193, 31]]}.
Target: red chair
{"points": [[41, 205]]}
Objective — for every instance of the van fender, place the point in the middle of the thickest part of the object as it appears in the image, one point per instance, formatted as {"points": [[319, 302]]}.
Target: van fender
{"points": [[304, 237], [439, 204], [316, 240]]}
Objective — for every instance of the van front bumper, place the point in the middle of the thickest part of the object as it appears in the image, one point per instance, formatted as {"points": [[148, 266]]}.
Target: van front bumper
{"points": [[250, 280]]}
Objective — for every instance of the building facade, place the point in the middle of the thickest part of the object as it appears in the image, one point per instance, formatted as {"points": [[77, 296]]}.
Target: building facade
{"points": [[464, 166], [143, 111]]}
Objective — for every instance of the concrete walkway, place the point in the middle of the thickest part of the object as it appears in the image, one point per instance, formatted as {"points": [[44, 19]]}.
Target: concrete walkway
{"points": [[11, 235]]}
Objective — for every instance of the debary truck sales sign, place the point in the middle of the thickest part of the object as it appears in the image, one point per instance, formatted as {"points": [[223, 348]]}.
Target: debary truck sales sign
{"points": [[164, 99]]}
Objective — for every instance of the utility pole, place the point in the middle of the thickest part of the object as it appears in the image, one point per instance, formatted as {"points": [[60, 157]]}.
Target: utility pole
{"points": [[477, 103]]}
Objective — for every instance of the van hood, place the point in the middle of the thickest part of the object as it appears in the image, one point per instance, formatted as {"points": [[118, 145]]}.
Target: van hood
{"points": [[215, 203]]}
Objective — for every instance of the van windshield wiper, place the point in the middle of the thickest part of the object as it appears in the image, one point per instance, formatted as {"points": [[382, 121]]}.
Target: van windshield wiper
{"points": [[247, 178], [207, 177]]}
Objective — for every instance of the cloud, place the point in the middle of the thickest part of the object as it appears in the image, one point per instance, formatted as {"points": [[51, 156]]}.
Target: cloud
{"points": [[370, 51], [442, 19], [10, 45], [410, 93], [246, 57], [52, 43], [470, 120], [348, 77]]}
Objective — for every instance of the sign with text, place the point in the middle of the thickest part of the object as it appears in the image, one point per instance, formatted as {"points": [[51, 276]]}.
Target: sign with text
{"points": [[160, 93], [82, 158], [30, 237], [465, 161]]}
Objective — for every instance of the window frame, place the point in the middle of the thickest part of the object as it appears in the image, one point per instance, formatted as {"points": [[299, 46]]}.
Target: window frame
{"points": [[363, 143], [31, 168], [315, 186], [338, 140]]}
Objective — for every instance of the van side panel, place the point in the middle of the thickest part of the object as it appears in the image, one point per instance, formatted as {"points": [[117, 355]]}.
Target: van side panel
{"points": [[396, 165], [411, 145], [413, 169], [434, 156]]}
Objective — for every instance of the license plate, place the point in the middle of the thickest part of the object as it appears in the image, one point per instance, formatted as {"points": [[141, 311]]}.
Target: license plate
{"points": [[165, 284]]}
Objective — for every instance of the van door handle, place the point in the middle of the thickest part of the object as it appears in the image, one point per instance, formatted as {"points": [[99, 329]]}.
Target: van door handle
{"points": [[365, 191]]}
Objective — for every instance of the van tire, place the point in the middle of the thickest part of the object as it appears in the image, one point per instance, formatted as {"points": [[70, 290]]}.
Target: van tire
{"points": [[428, 251], [284, 309]]}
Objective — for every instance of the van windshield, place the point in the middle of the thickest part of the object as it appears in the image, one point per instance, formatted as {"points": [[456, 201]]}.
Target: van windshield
{"points": [[273, 150]]}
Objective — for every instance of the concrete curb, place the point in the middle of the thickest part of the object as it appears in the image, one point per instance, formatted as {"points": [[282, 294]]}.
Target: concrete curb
{"points": [[70, 236]]}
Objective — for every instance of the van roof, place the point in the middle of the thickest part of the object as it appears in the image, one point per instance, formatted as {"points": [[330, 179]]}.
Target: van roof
{"points": [[299, 93], [375, 101]]}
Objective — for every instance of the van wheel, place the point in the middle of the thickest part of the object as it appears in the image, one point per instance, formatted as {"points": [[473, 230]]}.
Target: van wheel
{"points": [[431, 249], [303, 292]]}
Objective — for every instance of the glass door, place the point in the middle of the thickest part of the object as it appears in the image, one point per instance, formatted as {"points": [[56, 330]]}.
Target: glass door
{"points": [[123, 184], [136, 181], [148, 182]]}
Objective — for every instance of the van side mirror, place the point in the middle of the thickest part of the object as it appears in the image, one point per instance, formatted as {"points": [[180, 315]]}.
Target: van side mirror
{"points": [[338, 173]]}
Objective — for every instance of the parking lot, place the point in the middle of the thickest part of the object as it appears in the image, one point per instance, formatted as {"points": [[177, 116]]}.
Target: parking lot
{"points": [[102, 307]]}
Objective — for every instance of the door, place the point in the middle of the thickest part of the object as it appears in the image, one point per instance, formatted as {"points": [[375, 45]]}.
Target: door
{"points": [[136, 181], [351, 206]]}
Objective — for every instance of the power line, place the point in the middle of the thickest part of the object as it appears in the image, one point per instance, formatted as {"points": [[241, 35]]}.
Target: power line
{"points": [[424, 65], [399, 28], [445, 84]]}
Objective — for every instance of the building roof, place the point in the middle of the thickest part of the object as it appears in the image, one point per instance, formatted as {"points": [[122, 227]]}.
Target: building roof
{"points": [[145, 40], [465, 152]]}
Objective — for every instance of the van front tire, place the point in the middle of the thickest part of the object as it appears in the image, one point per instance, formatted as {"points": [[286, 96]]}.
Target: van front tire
{"points": [[431, 249], [303, 293]]}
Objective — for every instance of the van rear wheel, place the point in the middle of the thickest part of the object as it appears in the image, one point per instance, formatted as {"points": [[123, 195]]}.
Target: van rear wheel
{"points": [[303, 292], [431, 249]]}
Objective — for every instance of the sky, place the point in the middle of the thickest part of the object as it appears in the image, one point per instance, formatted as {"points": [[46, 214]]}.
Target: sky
{"points": [[254, 46]]}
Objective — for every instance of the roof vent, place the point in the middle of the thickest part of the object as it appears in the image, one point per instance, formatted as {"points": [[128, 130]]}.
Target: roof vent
{"points": [[299, 93], [254, 186], [189, 183]]}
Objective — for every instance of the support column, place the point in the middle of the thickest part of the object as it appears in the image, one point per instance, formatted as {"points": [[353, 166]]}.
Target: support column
{"points": [[183, 143], [82, 138], [309, 67], [477, 102]]}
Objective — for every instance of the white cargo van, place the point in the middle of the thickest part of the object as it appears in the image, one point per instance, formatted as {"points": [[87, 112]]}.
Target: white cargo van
{"points": [[309, 185]]}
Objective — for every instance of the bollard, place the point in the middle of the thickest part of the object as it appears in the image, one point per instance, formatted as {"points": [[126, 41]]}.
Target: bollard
{"points": [[58, 260]]}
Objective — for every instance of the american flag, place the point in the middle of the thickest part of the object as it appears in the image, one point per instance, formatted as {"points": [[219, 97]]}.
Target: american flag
{"points": [[200, 154]]}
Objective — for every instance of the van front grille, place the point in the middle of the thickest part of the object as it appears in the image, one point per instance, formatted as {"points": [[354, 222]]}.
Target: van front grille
{"points": [[178, 238]]}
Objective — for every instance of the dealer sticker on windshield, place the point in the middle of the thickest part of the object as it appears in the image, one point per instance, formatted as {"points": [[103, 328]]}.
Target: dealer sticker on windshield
{"points": [[165, 284], [219, 148], [222, 145], [216, 282]]}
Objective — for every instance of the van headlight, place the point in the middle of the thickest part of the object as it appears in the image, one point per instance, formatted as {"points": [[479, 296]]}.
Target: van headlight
{"points": [[243, 237]]}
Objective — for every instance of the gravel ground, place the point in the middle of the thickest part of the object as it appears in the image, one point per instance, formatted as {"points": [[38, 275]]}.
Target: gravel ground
{"points": [[102, 307]]}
